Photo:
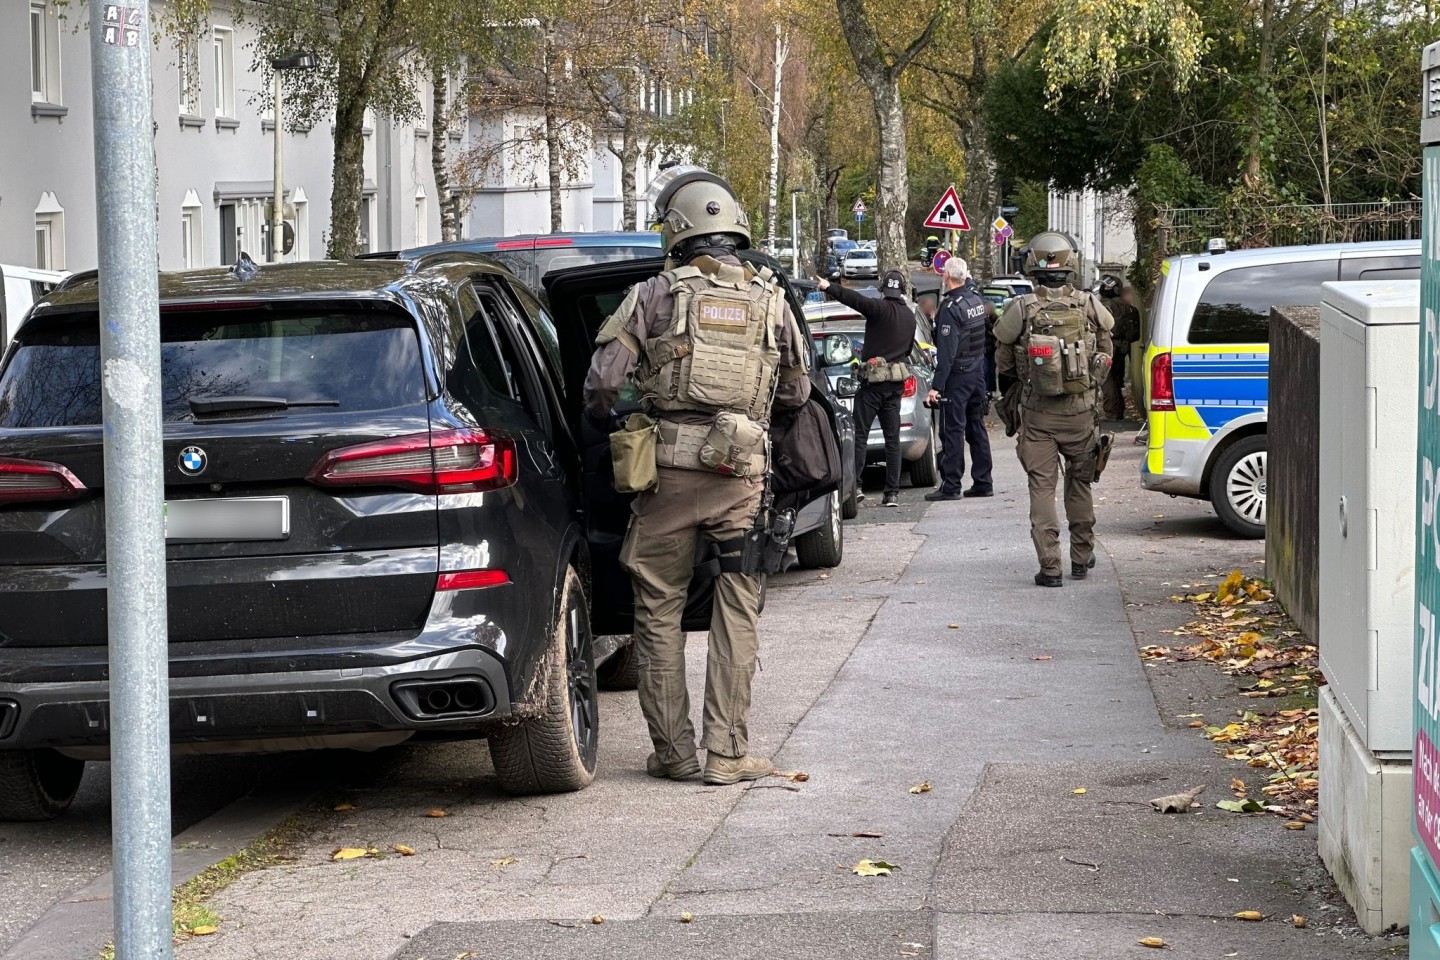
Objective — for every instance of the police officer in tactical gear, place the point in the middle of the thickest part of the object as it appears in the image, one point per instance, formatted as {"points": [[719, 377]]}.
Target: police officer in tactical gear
{"points": [[884, 367], [1126, 332], [712, 346], [1057, 342], [960, 331]]}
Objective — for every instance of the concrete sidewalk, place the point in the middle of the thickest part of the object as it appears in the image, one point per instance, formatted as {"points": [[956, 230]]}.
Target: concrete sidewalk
{"points": [[941, 665]]}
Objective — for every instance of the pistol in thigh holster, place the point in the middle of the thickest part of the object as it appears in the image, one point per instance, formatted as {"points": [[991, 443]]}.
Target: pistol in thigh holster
{"points": [[761, 550]]}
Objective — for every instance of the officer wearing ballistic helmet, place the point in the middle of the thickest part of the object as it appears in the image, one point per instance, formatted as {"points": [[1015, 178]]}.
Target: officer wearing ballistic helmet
{"points": [[960, 331], [884, 367], [711, 345], [1057, 342], [1127, 330]]}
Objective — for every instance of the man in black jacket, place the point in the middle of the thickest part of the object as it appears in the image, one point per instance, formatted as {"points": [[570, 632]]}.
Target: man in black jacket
{"points": [[960, 330], [885, 364]]}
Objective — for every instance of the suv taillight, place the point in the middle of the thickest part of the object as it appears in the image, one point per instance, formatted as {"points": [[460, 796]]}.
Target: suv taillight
{"points": [[451, 461], [36, 480], [1162, 384], [909, 389]]}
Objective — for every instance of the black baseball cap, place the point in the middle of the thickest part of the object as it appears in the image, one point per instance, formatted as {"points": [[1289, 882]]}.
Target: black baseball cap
{"points": [[893, 285]]}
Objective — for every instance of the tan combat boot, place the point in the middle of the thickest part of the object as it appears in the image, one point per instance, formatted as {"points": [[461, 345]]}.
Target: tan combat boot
{"points": [[678, 770], [726, 770]]}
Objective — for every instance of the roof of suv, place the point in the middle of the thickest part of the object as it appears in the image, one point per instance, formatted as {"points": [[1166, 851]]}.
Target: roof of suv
{"points": [[280, 281], [1311, 251]]}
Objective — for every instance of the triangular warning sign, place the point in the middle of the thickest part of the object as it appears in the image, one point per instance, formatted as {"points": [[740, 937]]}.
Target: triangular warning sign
{"points": [[948, 213]]}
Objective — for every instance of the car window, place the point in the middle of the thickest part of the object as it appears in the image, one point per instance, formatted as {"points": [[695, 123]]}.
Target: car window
{"points": [[1400, 267], [561, 258], [521, 386], [522, 355], [1235, 305], [544, 327], [478, 355], [342, 359]]}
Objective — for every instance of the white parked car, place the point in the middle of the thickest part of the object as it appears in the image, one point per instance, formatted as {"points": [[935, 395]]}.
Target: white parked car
{"points": [[19, 288], [860, 263]]}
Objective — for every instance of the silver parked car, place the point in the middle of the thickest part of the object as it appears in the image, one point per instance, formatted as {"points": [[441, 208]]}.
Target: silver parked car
{"points": [[919, 432], [860, 263]]}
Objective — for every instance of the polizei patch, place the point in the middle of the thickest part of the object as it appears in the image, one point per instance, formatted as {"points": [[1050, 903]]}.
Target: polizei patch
{"points": [[722, 314]]}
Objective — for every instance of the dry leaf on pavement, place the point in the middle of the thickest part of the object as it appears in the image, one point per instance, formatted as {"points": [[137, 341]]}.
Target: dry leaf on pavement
{"points": [[1079, 790], [1155, 942], [873, 868], [1177, 802], [205, 931], [921, 788], [1043, 657], [1251, 915], [597, 919], [1297, 921], [437, 813], [1294, 825], [687, 917], [403, 850], [503, 862], [349, 853], [342, 807]]}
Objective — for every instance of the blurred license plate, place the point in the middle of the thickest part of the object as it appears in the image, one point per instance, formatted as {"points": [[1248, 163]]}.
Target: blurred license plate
{"points": [[235, 518]]}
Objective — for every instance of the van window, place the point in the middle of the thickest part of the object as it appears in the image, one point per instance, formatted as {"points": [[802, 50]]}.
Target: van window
{"points": [[1398, 267], [1235, 306]]}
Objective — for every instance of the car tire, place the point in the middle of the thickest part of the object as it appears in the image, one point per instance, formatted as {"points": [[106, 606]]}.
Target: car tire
{"points": [[555, 752], [622, 670], [37, 784], [825, 545], [925, 472], [1237, 486], [850, 506]]}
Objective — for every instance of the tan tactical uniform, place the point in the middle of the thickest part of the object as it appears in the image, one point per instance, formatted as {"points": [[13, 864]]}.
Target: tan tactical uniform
{"points": [[1053, 428], [692, 501]]}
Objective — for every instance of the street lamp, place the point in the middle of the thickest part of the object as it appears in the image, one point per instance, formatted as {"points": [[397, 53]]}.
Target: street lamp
{"points": [[794, 233], [296, 61]]}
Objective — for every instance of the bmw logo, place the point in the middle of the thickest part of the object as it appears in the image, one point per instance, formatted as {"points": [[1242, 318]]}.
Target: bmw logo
{"points": [[193, 461]]}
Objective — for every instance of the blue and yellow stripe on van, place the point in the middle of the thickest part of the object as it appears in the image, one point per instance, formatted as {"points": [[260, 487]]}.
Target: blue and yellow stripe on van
{"points": [[1214, 384]]}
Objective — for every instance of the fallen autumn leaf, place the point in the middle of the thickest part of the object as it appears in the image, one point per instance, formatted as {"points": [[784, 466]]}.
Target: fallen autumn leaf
{"points": [[1253, 916], [205, 931], [920, 788], [503, 862], [403, 850], [1154, 942], [873, 868], [348, 853], [436, 813]]}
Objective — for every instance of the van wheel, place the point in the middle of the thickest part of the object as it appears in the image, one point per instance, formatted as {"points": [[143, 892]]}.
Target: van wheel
{"points": [[926, 471], [621, 671], [37, 784], [825, 545], [1237, 486], [555, 752]]}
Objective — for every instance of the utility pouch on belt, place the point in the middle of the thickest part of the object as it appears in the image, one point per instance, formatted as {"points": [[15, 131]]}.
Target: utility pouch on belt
{"points": [[879, 370], [632, 455], [735, 446]]}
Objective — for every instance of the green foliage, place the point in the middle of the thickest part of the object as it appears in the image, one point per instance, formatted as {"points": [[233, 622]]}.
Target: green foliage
{"points": [[1163, 179], [1032, 197]]}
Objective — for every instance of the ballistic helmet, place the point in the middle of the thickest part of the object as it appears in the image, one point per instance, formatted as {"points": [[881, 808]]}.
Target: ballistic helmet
{"points": [[690, 202], [1111, 286], [1051, 258]]}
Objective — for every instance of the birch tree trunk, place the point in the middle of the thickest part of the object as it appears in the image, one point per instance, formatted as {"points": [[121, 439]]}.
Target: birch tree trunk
{"points": [[629, 159], [552, 129], [347, 172], [782, 53], [439, 143], [1258, 114]]}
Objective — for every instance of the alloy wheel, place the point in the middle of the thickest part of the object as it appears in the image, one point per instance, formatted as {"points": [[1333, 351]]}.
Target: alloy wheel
{"points": [[580, 679], [1245, 487]]}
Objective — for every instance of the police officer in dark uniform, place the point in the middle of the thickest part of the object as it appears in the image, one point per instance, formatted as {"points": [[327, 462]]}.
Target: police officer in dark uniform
{"points": [[889, 338], [960, 329]]}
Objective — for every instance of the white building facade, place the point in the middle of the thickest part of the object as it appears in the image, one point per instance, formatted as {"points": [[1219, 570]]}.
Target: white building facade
{"points": [[1102, 224], [214, 147]]}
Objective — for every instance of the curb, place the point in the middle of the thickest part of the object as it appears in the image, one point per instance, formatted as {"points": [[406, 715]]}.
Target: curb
{"points": [[80, 925]]}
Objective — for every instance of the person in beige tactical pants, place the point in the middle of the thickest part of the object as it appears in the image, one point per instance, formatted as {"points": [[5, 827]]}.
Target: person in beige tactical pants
{"points": [[686, 350], [1057, 426]]}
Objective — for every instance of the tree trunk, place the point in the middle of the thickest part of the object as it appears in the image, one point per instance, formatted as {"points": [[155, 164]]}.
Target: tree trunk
{"points": [[552, 131], [1259, 108], [348, 172], [439, 142], [782, 52], [629, 159], [832, 197], [892, 190], [981, 194]]}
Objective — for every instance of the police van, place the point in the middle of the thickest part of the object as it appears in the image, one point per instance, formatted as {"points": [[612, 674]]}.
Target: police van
{"points": [[1209, 362], [19, 288]]}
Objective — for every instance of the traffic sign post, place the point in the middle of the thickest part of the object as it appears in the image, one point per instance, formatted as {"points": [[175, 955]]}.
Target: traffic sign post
{"points": [[942, 257], [949, 213]]}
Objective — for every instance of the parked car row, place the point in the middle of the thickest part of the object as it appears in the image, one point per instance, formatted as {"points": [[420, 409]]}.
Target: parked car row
{"points": [[386, 517]]}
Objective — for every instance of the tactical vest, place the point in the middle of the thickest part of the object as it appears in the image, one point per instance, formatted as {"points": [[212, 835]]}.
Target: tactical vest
{"points": [[967, 310], [1056, 353], [719, 358]]}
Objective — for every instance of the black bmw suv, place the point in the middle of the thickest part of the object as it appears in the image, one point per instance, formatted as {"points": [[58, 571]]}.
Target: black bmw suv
{"points": [[372, 524]]}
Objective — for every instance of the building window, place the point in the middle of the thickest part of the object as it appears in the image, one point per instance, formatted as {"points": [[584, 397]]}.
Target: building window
{"points": [[189, 80], [224, 51], [44, 55], [49, 234]]}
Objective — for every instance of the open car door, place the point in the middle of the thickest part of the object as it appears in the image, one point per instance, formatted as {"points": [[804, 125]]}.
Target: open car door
{"points": [[581, 299]]}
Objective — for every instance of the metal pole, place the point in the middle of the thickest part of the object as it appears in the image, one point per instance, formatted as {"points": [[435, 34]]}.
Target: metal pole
{"points": [[277, 213], [134, 484], [794, 238]]}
